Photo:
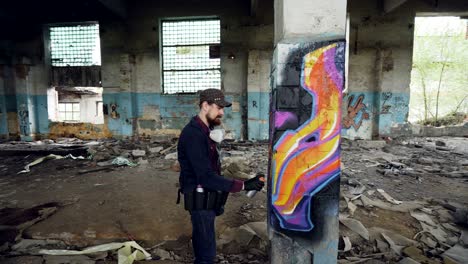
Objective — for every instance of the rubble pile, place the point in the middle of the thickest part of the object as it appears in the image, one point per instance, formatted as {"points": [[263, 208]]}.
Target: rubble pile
{"points": [[244, 244], [426, 221], [244, 160], [374, 225], [401, 201]]}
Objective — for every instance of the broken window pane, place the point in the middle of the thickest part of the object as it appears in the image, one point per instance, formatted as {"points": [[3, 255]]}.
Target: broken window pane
{"points": [[75, 45]]}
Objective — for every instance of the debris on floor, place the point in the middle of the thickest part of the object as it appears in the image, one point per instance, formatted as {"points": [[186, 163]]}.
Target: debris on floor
{"points": [[405, 196], [402, 200]]}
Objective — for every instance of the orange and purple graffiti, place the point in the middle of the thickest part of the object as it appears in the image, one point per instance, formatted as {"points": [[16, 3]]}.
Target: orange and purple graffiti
{"points": [[306, 159]]}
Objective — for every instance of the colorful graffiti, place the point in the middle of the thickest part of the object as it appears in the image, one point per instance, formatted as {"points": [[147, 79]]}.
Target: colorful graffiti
{"points": [[283, 119], [307, 158], [356, 113]]}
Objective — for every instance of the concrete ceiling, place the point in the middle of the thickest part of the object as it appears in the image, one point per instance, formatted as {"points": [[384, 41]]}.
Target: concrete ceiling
{"points": [[21, 19]]}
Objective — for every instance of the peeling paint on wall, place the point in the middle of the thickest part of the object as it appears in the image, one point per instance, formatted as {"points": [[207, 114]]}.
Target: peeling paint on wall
{"points": [[371, 114], [155, 113], [79, 130], [13, 125]]}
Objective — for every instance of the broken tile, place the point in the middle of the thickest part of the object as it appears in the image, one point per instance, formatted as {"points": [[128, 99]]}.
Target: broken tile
{"points": [[155, 150], [405, 207], [428, 241], [357, 190], [393, 246], [138, 153], [457, 253], [355, 226], [388, 197], [408, 260], [422, 217], [382, 246], [435, 231], [347, 244], [417, 255], [171, 156], [464, 237]]}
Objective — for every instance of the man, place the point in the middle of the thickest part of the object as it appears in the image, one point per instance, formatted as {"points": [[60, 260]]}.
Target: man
{"points": [[205, 190]]}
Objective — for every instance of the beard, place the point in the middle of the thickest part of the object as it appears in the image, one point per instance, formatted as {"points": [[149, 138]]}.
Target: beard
{"points": [[214, 121]]}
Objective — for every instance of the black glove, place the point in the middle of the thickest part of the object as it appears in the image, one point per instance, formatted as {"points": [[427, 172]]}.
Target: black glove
{"points": [[255, 183], [219, 211]]}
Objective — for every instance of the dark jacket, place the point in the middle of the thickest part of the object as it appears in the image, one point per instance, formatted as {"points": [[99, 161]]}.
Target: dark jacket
{"points": [[195, 164]]}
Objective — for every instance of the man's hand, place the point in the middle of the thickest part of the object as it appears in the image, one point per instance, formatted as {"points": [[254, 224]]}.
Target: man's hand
{"points": [[255, 183]]}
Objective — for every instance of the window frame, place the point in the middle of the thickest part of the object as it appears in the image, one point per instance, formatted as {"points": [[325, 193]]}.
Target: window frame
{"points": [[72, 112], [161, 47]]}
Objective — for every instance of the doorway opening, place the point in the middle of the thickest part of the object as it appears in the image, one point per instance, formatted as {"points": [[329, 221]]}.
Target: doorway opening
{"points": [[439, 79]]}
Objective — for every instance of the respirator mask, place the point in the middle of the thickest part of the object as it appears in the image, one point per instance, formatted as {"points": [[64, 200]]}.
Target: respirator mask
{"points": [[217, 135]]}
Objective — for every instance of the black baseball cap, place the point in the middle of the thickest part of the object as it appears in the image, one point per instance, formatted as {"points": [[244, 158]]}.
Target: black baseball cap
{"points": [[214, 96]]}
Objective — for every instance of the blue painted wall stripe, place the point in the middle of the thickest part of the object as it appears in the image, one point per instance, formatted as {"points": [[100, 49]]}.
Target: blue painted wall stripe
{"points": [[258, 115]]}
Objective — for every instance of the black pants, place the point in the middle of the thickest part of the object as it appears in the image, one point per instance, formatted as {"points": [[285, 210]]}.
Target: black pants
{"points": [[203, 236]]}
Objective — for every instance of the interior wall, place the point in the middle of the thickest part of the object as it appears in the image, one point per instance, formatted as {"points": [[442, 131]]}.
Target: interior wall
{"points": [[131, 66], [380, 52], [132, 95], [380, 61]]}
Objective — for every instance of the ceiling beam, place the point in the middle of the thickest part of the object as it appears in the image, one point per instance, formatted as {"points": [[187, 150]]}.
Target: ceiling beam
{"points": [[118, 7], [390, 5]]}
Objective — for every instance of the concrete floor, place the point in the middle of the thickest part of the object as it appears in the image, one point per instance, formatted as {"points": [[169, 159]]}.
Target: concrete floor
{"points": [[128, 203], [139, 203]]}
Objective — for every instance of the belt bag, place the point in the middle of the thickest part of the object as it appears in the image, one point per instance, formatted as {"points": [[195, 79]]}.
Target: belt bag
{"points": [[207, 200]]}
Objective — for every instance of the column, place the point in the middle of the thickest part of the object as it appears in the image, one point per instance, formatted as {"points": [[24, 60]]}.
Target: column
{"points": [[305, 125]]}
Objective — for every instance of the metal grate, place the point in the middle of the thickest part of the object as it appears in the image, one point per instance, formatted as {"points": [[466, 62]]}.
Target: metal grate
{"points": [[77, 45], [188, 65]]}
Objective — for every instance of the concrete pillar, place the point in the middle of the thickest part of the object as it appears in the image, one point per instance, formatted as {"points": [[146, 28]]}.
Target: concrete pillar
{"points": [[305, 125], [119, 101], [3, 109], [24, 99]]}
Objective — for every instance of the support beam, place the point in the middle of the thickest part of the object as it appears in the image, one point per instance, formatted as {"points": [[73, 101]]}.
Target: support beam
{"points": [[253, 8], [390, 5]]}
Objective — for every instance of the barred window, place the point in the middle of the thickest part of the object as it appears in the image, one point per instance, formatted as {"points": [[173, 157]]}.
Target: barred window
{"points": [[190, 55], [75, 45]]}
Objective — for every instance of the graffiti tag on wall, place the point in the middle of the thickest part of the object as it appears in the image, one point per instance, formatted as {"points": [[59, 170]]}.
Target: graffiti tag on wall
{"points": [[307, 158], [23, 115], [356, 112]]}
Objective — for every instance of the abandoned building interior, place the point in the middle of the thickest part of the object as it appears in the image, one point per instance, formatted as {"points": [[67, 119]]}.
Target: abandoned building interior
{"points": [[94, 94]]}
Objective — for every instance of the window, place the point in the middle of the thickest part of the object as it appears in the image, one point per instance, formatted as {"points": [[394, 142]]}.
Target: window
{"points": [[99, 108], [190, 55], [69, 112], [75, 45]]}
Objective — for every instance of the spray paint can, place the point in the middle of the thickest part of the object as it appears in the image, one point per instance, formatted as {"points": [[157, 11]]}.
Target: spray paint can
{"points": [[252, 193]]}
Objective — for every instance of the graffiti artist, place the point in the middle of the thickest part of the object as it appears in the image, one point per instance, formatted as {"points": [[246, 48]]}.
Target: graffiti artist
{"points": [[205, 190]]}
